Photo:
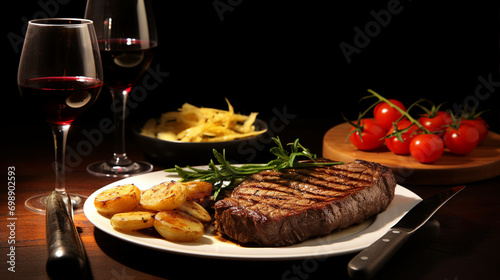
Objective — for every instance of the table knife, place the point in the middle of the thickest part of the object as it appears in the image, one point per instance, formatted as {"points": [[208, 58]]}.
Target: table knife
{"points": [[67, 259], [369, 261]]}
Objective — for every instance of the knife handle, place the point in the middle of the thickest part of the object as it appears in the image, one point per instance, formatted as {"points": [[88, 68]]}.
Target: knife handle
{"points": [[369, 261], [67, 259]]}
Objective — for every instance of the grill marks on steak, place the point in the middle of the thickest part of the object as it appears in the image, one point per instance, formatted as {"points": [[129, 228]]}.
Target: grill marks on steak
{"points": [[282, 208]]}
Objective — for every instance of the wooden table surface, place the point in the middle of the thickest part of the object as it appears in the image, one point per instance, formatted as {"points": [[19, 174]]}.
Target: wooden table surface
{"points": [[466, 247]]}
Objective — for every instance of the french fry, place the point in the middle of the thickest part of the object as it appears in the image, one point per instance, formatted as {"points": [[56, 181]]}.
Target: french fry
{"points": [[149, 128], [198, 124]]}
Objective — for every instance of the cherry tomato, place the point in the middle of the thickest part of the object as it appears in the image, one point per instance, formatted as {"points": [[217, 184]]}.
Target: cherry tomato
{"points": [[426, 148], [371, 137], [385, 115], [462, 140], [481, 126], [396, 146], [436, 123]]}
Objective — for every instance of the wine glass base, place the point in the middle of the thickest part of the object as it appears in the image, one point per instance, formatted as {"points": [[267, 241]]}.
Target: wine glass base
{"points": [[105, 169], [37, 203]]}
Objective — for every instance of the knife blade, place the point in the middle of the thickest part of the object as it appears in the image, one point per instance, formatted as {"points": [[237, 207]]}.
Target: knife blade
{"points": [[67, 258], [369, 261]]}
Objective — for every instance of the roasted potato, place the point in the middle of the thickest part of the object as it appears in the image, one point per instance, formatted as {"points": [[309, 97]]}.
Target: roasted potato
{"points": [[118, 199], [165, 196], [134, 220], [197, 189], [178, 226], [168, 207], [195, 210]]}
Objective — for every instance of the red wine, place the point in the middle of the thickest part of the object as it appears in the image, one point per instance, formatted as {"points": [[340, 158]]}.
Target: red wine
{"points": [[124, 61], [61, 99]]}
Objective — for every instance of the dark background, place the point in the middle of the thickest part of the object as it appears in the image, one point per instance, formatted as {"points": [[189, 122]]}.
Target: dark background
{"points": [[285, 55], [266, 55]]}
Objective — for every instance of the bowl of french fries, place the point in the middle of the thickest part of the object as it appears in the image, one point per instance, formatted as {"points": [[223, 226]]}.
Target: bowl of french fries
{"points": [[190, 134]]}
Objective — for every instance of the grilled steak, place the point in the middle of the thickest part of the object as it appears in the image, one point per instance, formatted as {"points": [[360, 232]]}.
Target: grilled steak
{"points": [[282, 208]]}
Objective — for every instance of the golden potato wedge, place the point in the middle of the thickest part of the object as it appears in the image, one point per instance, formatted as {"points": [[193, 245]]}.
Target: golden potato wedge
{"points": [[165, 196], [178, 226], [197, 189], [118, 199], [196, 210], [134, 220]]}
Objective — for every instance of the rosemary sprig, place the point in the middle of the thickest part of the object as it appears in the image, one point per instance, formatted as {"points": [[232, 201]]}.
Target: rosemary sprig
{"points": [[227, 176]]}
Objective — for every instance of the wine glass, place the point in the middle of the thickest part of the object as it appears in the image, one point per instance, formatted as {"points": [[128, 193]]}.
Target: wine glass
{"points": [[126, 34], [60, 74]]}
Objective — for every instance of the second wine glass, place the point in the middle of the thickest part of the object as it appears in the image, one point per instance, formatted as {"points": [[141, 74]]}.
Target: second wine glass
{"points": [[126, 33]]}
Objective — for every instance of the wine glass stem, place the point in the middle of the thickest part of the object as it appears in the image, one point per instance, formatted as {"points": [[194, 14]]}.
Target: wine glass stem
{"points": [[60, 133], [120, 113]]}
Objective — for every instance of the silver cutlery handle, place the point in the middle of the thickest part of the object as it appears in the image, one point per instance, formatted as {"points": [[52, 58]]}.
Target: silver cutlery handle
{"points": [[67, 259], [369, 261]]}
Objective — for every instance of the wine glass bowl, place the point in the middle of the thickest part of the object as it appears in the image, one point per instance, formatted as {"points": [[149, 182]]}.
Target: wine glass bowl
{"points": [[60, 74], [61, 98], [124, 61], [126, 34]]}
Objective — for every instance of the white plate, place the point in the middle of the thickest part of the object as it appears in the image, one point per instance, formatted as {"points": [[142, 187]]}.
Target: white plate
{"points": [[346, 241]]}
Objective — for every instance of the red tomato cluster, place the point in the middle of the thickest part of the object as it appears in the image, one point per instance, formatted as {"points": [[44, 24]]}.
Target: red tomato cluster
{"points": [[371, 136], [401, 145], [424, 138]]}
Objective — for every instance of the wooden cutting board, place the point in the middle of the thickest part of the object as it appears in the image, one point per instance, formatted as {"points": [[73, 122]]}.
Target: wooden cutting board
{"points": [[482, 163]]}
